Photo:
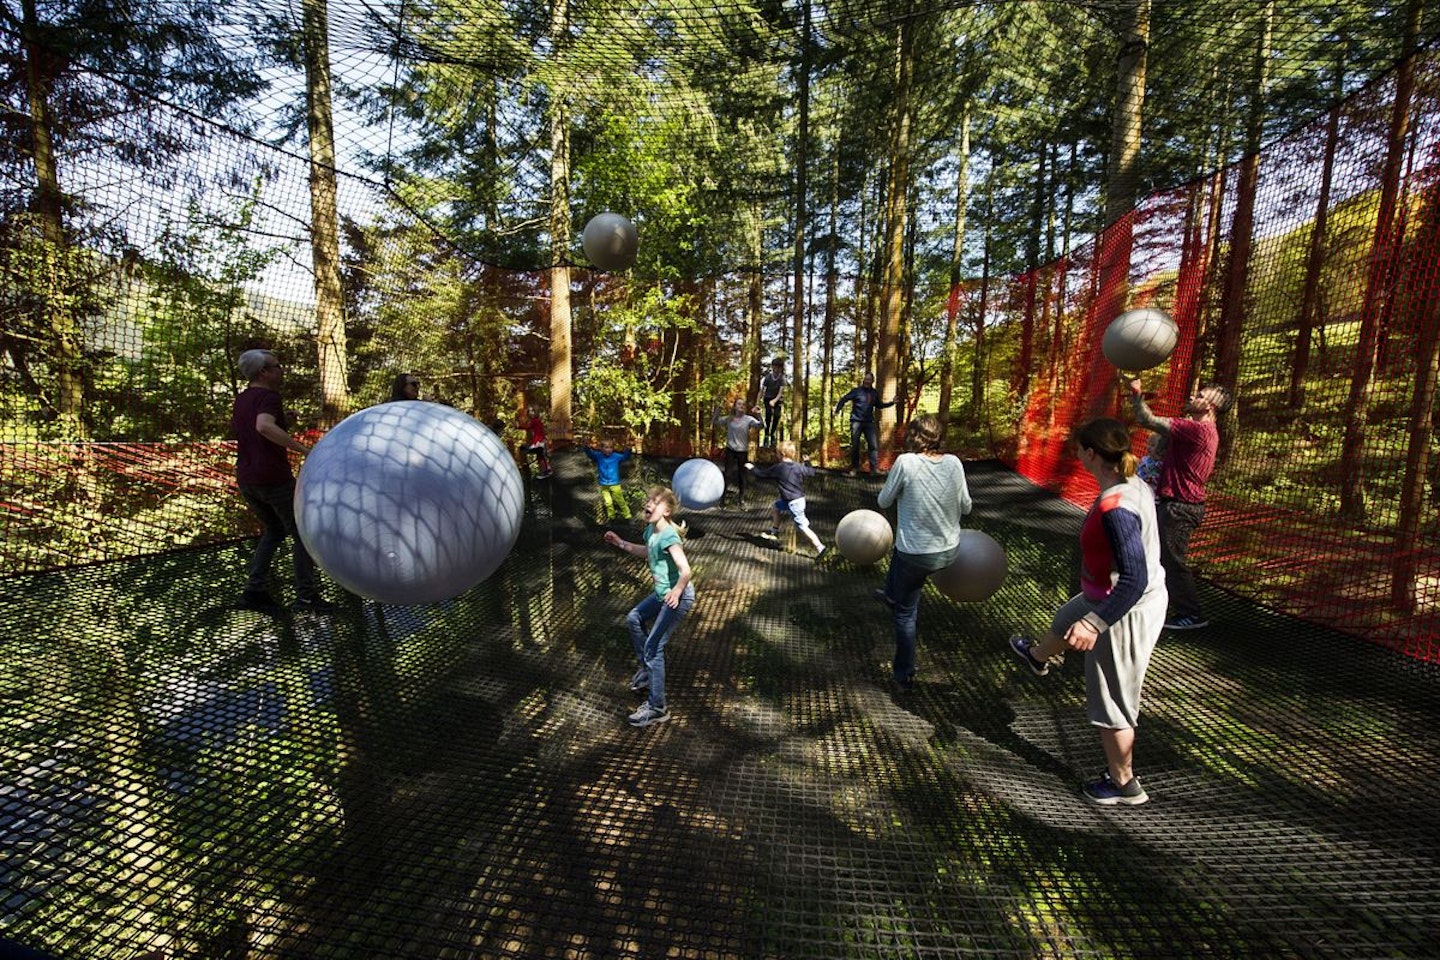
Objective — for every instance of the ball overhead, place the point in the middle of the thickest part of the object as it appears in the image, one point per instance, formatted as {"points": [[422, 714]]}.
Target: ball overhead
{"points": [[409, 502], [1140, 339], [698, 483], [610, 241], [977, 571], [864, 536]]}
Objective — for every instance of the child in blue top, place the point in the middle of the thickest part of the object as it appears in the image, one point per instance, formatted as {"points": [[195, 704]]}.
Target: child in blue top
{"points": [[607, 467], [790, 475], [673, 595]]}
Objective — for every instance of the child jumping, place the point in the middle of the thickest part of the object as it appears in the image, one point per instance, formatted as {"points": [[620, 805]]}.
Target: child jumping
{"points": [[791, 477], [674, 594], [607, 468]]}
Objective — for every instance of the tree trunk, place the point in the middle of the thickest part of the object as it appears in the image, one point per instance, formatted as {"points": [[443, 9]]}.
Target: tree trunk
{"points": [[797, 358], [561, 371], [1233, 307], [325, 218], [1117, 241], [1315, 257], [957, 256], [755, 306], [827, 335], [1420, 430], [1378, 284], [59, 319], [887, 379]]}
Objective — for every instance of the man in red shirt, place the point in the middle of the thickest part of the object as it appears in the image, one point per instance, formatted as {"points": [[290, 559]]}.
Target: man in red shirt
{"points": [[1191, 442], [263, 442]]}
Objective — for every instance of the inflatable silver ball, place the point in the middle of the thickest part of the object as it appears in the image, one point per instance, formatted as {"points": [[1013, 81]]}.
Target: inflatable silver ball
{"points": [[978, 570], [698, 483], [1140, 339], [610, 241], [864, 536], [409, 502]]}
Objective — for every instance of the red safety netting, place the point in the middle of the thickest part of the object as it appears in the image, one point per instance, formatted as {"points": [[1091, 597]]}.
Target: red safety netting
{"points": [[1325, 331]]}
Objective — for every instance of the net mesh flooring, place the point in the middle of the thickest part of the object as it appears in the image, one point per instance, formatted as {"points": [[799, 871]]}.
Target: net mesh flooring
{"points": [[185, 779]]}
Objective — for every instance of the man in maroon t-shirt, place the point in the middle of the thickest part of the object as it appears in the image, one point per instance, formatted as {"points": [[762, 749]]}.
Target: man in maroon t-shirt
{"points": [[1190, 445], [263, 442]]}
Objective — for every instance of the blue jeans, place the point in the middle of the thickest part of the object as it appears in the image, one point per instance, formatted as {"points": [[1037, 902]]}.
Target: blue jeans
{"points": [[274, 504], [650, 647], [903, 586], [872, 443]]}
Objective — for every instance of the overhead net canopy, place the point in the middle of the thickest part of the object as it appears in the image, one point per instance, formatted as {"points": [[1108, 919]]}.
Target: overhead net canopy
{"points": [[956, 196]]}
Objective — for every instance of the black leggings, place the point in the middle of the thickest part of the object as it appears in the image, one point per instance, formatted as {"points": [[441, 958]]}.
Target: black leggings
{"points": [[739, 458]]}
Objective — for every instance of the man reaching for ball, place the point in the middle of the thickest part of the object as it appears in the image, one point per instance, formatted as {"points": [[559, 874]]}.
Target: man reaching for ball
{"points": [[1191, 444]]}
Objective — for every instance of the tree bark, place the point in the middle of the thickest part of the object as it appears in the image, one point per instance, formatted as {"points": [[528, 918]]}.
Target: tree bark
{"points": [[324, 218], [1379, 284], [887, 379], [561, 371]]}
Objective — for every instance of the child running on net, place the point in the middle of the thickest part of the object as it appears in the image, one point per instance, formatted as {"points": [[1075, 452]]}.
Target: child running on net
{"points": [[791, 476], [607, 468], [673, 595]]}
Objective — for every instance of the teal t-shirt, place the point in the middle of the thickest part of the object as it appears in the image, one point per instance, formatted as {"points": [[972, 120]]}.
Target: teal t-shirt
{"points": [[657, 553]]}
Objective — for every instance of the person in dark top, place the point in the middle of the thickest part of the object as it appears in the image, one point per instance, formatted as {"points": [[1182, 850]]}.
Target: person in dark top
{"points": [[405, 386], [791, 477], [1191, 443], [864, 400], [772, 388], [263, 443]]}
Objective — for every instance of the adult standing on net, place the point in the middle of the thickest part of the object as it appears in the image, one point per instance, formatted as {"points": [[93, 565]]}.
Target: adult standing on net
{"points": [[929, 490], [263, 443], [1191, 442], [864, 400], [1116, 618], [772, 390]]}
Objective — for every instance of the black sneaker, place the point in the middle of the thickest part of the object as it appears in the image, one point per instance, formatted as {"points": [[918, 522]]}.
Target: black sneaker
{"points": [[1187, 623], [1104, 792], [259, 601], [771, 534], [1021, 647], [315, 604]]}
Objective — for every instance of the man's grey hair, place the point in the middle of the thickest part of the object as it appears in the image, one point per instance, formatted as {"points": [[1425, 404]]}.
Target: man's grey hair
{"points": [[251, 362]]}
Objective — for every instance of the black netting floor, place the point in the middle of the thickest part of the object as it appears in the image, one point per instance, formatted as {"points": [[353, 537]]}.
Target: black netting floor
{"points": [[183, 779]]}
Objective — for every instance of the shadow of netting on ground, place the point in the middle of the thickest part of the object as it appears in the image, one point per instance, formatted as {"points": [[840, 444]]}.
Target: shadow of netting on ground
{"points": [[457, 780]]}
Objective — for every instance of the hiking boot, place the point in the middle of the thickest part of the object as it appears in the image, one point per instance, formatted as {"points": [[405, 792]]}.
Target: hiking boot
{"points": [[1022, 647], [1103, 791], [647, 715], [315, 604], [259, 601], [1187, 622]]}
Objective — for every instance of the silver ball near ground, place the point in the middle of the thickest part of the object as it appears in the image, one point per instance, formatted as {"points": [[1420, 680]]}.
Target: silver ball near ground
{"points": [[1140, 339], [978, 570], [610, 241], [409, 502], [864, 536], [698, 483]]}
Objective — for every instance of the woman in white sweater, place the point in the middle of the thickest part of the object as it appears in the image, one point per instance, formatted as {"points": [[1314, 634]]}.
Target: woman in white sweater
{"points": [[928, 488]]}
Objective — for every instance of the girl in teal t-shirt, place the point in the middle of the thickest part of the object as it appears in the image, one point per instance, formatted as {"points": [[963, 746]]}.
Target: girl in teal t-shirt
{"points": [[663, 607]]}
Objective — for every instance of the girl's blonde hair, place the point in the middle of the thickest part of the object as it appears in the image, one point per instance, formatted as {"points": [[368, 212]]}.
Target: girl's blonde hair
{"points": [[666, 496], [1110, 440]]}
